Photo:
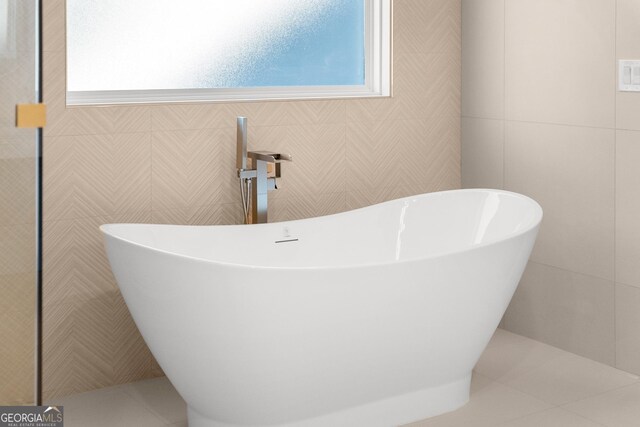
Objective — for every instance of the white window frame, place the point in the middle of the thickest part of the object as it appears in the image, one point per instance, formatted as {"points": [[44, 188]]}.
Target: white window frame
{"points": [[378, 31]]}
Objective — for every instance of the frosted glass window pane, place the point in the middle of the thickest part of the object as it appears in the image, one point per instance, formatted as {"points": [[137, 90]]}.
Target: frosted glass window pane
{"points": [[199, 44]]}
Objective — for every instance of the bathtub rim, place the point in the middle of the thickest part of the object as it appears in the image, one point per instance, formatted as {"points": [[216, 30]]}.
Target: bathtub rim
{"points": [[508, 237]]}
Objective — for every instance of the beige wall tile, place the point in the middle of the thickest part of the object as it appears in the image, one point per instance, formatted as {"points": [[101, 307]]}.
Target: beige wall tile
{"points": [[300, 206], [219, 214], [89, 342], [97, 175], [627, 208], [54, 80], [570, 172], [403, 153], [483, 69], [482, 153], [290, 113], [278, 113], [427, 85], [627, 29], [426, 26], [376, 154], [424, 85], [628, 328], [191, 117], [628, 110], [565, 309], [53, 26], [559, 57], [375, 109], [560, 68], [192, 168], [74, 259], [628, 34], [320, 112], [319, 156]]}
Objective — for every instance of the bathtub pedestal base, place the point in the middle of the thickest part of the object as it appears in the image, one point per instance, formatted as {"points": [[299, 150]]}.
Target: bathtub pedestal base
{"points": [[390, 412]]}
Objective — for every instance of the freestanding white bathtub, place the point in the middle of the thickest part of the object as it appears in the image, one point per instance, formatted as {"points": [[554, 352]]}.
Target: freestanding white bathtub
{"points": [[374, 317]]}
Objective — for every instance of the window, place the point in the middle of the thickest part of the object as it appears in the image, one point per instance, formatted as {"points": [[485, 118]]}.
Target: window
{"points": [[126, 51]]}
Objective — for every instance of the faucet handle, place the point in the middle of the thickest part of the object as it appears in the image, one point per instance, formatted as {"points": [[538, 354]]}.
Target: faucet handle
{"points": [[270, 157], [283, 158]]}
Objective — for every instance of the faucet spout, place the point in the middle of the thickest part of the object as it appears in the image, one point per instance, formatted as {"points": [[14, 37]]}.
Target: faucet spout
{"points": [[255, 182]]}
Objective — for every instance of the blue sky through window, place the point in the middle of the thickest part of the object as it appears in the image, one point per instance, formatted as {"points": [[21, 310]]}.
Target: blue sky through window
{"points": [[328, 50]]}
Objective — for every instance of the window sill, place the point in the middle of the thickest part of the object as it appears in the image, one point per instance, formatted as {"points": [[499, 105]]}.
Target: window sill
{"points": [[220, 95]]}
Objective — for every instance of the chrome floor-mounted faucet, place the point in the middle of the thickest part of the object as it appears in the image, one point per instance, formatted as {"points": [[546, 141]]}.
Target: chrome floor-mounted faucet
{"points": [[255, 182]]}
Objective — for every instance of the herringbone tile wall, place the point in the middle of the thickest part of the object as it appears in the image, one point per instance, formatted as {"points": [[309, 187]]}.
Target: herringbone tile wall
{"points": [[175, 164]]}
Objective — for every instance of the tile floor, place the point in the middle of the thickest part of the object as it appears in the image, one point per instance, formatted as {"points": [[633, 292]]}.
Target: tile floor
{"points": [[518, 382]]}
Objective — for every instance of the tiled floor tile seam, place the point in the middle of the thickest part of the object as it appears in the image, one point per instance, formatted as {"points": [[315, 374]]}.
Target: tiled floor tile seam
{"points": [[546, 410], [564, 356], [599, 394], [526, 371]]}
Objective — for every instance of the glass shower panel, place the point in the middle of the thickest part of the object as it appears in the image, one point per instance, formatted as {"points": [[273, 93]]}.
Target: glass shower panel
{"points": [[19, 150]]}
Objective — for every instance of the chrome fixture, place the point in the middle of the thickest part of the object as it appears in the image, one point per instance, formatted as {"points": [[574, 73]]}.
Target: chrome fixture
{"points": [[256, 182]]}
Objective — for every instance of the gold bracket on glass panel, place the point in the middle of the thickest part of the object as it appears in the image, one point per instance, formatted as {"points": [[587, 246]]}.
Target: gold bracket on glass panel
{"points": [[31, 116]]}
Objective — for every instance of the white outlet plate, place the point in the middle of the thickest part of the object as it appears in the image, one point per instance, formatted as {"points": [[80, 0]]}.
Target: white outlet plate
{"points": [[629, 75]]}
